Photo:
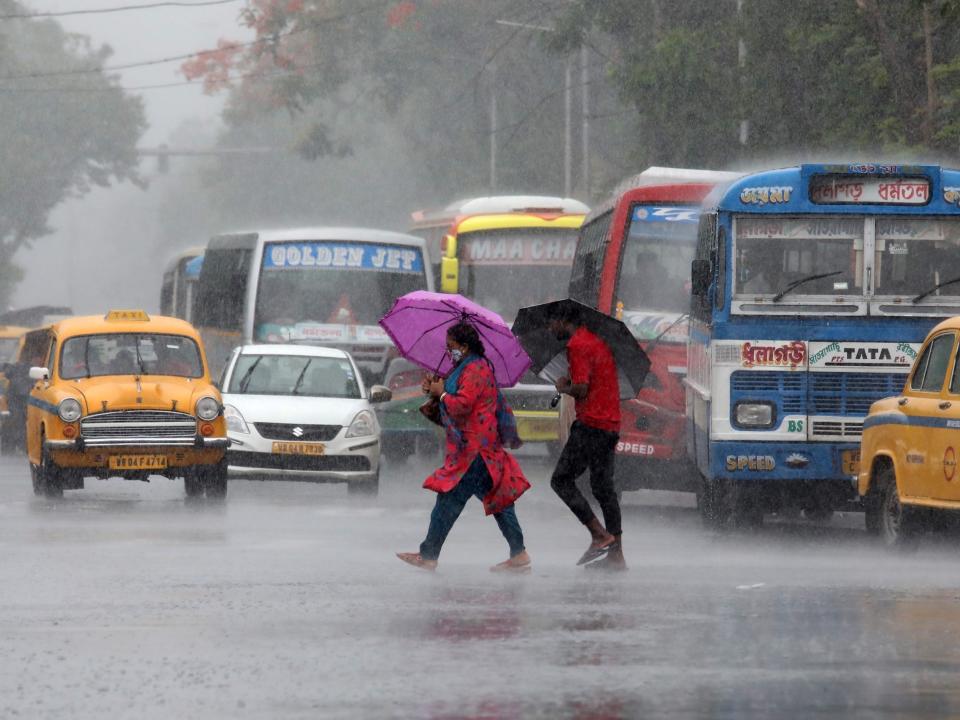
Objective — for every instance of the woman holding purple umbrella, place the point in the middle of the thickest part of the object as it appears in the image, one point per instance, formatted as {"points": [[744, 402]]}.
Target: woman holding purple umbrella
{"points": [[476, 463]]}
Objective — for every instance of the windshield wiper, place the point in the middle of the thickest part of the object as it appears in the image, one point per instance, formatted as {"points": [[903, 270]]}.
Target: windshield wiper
{"points": [[136, 347], [296, 385], [245, 380], [797, 283], [653, 343], [932, 290]]}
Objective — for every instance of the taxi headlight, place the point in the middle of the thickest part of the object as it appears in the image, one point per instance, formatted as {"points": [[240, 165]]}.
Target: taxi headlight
{"points": [[235, 421], [208, 408], [754, 414], [363, 424], [69, 410]]}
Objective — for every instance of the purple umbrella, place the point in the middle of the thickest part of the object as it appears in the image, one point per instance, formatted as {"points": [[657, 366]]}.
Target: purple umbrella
{"points": [[418, 323]]}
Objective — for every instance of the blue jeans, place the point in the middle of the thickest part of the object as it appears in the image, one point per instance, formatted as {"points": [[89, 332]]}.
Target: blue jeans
{"points": [[449, 505]]}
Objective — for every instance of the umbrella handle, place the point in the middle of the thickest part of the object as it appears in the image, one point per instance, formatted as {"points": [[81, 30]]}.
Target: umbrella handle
{"points": [[555, 401]]}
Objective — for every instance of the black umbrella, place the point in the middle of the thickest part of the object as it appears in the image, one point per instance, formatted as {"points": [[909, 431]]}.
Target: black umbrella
{"points": [[549, 354]]}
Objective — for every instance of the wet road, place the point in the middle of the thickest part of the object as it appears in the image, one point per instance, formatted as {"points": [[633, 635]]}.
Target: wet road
{"points": [[122, 601]]}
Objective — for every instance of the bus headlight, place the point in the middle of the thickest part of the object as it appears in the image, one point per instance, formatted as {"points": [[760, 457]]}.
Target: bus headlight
{"points": [[208, 408], [754, 414], [69, 410], [235, 421], [363, 424]]}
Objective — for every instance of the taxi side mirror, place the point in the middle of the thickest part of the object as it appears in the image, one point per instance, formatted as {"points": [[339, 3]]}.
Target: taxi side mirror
{"points": [[380, 394], [39, 373]]}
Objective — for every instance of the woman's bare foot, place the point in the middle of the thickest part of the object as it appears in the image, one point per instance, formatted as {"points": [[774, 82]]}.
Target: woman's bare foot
{"points": [[519, 563], [417, 561]]}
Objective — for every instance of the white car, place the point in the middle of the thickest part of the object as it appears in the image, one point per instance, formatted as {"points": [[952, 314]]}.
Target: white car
{"points": [[300, 412]]}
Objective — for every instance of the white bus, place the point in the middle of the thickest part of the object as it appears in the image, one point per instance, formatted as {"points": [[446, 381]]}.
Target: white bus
{"points": [[321, 286], [179, 283]]}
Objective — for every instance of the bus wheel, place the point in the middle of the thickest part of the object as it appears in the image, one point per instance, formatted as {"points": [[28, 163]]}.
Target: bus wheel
{"points": [[898, 522], [738, 505], [707, 495]]}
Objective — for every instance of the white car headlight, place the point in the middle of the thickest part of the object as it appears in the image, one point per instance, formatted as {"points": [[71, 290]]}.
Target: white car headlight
{"points": [[756, 414], [363, 425], [208, 408], [69, 410], [235, 421]]}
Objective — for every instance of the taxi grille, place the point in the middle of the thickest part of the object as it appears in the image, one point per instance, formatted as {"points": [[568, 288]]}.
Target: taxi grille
{"points": [[292, 431], [138, 427]]}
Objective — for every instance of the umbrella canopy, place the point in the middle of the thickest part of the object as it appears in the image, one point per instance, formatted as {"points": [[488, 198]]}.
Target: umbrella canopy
{"points": [[418, 323], [548, 354]]}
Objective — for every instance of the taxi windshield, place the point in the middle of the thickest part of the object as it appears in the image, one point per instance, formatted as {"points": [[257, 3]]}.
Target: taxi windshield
{"points": [[87, 356], [305, 375]]}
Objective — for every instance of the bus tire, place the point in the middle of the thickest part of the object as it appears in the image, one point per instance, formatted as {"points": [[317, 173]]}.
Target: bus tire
{"points": [[738, 505], [707, 492]]}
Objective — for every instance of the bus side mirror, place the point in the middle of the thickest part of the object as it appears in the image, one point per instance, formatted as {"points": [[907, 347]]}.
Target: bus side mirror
{"points": [[700, 276], [449, 275]]}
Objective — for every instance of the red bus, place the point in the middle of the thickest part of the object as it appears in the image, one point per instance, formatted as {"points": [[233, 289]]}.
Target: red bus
{"points": [[633, 261]]}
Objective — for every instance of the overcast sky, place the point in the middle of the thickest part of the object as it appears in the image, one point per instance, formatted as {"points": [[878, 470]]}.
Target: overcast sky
{"points": [[111, 234]]}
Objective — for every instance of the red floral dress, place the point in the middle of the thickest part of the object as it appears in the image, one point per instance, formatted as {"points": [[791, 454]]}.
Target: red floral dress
{"points": [[473, 408]]}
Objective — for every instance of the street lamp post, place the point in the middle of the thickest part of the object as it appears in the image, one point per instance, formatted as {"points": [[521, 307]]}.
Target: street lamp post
{"points": [[567, 115]]}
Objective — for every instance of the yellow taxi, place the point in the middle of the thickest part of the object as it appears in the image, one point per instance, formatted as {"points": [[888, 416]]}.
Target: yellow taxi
{"points": [[125, 395], [908, 467]]}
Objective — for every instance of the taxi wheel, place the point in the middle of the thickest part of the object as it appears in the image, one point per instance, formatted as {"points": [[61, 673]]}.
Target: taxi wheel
{"points": [[214, 479], [898, 527], [365, 488], [49, 476], [192, 485]]}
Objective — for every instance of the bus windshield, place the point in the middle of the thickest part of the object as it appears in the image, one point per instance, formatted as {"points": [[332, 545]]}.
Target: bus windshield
{"points": [[654, 281], [774, 252], [507, 269], [915, 255], [305, 286]]}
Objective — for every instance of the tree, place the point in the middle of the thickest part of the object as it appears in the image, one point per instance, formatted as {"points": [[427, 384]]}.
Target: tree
{"points": [[423, 72], [62, 134]]}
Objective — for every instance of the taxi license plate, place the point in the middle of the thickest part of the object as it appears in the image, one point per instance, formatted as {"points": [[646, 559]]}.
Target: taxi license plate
{"points": [[850, 462], [299, 448], [138, 462]]}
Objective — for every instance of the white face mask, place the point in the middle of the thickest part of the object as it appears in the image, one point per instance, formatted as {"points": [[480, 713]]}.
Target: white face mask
{"points": [[456, 354]]}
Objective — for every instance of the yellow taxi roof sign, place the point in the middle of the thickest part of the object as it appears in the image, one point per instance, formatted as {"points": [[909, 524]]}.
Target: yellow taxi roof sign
{"points": [[127, 315]]}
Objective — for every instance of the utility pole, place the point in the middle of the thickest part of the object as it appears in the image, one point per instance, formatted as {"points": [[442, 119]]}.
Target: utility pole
{"points": [[567, 134], [742, 65], [585, 118], [493, 127]]}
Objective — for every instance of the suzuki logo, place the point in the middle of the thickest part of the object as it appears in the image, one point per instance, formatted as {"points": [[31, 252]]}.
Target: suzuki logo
{"points": [[297, 431]]}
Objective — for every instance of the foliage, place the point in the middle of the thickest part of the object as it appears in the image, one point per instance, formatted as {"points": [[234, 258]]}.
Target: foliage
{"points": [[62, 135], [821, 76]]}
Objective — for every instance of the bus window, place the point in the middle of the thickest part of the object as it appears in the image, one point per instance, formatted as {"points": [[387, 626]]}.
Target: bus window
{"points": [[220, 297], [655, 264], [772, 252], [914, 255], [585, 273]]}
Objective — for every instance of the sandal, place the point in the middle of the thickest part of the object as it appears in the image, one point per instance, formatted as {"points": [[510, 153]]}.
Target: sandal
{"points": [[594, 552], [417, 561], [517, 564]]}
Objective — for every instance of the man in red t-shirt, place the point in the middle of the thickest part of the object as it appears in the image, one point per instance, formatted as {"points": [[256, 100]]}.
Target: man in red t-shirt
{"points": [[593, 438]]}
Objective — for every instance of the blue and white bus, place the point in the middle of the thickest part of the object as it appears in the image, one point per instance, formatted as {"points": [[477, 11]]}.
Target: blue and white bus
{"points": [[813, 288]]}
